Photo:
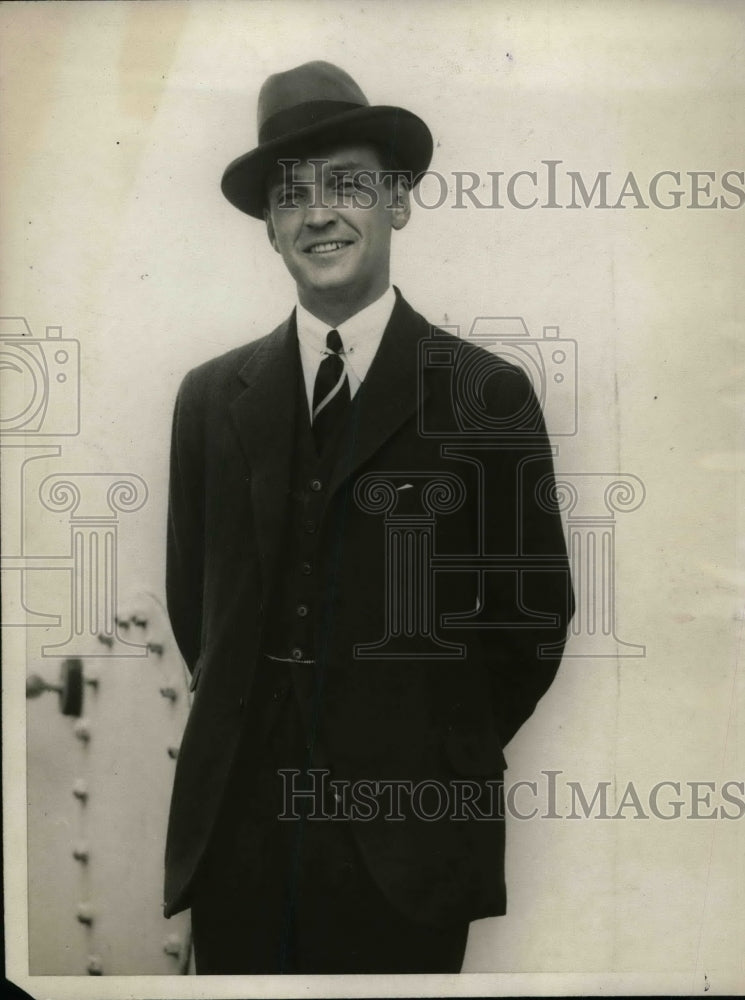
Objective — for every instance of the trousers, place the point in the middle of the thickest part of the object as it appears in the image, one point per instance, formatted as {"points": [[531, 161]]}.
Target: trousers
{"points": [[275, 896]]}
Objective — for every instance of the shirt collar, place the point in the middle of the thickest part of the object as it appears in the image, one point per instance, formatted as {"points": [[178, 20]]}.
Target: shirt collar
{"points": [[361, 334]]}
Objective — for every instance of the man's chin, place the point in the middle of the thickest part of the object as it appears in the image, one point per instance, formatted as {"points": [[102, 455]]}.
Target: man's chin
{"points": [[330, 284]]}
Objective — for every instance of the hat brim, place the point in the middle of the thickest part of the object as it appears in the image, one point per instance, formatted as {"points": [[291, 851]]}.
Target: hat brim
{"points": [[401, 135]]}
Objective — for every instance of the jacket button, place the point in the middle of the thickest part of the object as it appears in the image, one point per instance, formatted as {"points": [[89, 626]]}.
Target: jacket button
{"points": [[307, 568], [302, 610], [297, 653], [316, 485], [310, 527]]}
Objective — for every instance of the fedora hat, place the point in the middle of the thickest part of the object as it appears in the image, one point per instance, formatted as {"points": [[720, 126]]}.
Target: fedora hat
{"points": [[313, 103]]}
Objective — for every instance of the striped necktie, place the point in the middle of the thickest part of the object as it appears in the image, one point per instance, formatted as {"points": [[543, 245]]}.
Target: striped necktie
{"points": [[331, 396]]}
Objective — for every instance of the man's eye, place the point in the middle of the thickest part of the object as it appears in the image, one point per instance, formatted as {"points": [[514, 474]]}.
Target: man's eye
{"points": [[290, 197], [346, 191], [345, 185]]}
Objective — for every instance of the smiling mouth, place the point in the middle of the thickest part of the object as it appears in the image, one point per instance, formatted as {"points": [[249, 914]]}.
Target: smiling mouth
{"points": [[329, 247]]}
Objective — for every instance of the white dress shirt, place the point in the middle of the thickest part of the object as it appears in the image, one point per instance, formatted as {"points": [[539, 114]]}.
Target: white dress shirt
{"points": [[360, 334]]}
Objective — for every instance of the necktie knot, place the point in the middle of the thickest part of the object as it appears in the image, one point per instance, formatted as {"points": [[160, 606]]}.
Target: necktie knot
{"points": [[334, 342]]}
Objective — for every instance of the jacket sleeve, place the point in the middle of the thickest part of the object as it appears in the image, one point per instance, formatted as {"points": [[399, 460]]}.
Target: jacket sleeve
{"points": [[185, 531], [537, 593]]}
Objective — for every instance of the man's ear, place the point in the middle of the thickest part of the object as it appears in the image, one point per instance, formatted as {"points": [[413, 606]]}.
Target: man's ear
{"points": [[270, 230], [400, 203]]}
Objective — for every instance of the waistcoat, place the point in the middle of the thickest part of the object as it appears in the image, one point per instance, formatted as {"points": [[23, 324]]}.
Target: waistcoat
{"points": [[295, 604], [286, 677]]}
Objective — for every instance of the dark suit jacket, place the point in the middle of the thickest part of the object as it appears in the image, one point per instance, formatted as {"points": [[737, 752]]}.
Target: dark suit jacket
{"points": [[437, 718]]}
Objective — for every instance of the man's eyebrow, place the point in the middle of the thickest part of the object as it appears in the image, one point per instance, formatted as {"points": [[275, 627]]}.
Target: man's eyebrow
{"points": [[289, 180], [287, 183], [351, 166]]}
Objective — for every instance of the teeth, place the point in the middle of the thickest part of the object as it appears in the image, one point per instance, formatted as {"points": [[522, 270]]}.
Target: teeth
{"points": [[326, 247]]}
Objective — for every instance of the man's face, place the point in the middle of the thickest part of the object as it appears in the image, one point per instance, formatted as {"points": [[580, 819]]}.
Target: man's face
{"points": [[331, 219]]}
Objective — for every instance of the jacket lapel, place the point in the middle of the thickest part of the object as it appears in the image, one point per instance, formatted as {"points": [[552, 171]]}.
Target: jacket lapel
{"points": [[264, 416], [390, 394]]}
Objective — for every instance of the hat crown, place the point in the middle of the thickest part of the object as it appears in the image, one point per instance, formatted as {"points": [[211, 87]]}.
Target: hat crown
{"points": [[311, 107], [313, 81]]}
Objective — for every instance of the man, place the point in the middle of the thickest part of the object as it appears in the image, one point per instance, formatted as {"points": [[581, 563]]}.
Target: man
{"points": [[370, 595]]}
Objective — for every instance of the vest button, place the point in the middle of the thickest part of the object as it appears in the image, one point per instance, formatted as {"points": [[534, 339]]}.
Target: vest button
{"points": [[297, 653], [316, 485], [302, 610]]}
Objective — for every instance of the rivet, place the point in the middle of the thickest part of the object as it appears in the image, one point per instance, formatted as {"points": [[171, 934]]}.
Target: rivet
{"points": [[94, 966], [172, 945], [81, 853], [85, 913], [82, 730], [80, 790]]}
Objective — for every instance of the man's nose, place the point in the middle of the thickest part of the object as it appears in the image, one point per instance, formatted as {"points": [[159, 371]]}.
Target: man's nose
{"points": [[320, 212]]}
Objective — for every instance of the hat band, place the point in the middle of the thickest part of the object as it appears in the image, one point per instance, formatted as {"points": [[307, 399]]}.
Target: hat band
{"points": [[299, 116]]}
